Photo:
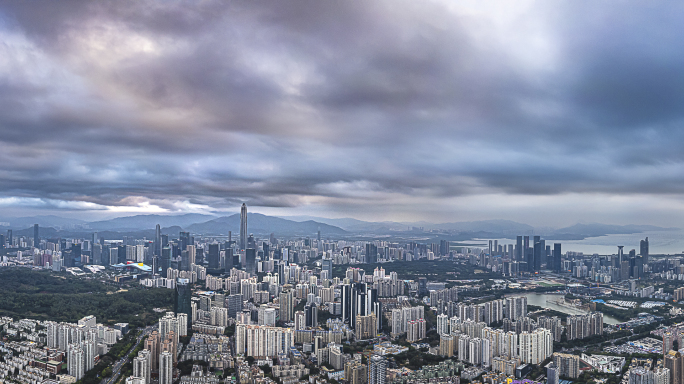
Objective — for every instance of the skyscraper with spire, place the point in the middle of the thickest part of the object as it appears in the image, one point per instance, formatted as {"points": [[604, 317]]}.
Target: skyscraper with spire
{"points": [[243, 227]]}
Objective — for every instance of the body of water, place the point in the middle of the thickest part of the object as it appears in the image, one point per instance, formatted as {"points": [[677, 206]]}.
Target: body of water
{"points": [[540, 300], [660, 242]]}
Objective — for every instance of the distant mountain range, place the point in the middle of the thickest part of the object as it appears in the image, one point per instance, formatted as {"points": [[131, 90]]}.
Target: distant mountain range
{"points": [[259, 224], [148, 221], [143, 225], [354, 225], [262, 224], [46, 221]]}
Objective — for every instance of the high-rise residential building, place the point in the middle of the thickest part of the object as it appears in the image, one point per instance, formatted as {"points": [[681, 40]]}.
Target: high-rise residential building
{"points": [[377, 370], [516, 307], [679, 293], [668, 341], [76, 361], [167, 324], [641, 375], [267, 316], [89, 352], [674, 362], [568, 364], [552, 374], [300, 320], [661, 376], [263, 341], [355, 372], [243, 226], [447, 345], [535, 346], [583, 326], [510, 344], [493, 311], [152, 345], [415, 330], [234, 304], [181, 303], [142, 366], [218, 316], [165, 368], [286, 300], [170, 344], [553, 324], [443, 324], [366, 327]]}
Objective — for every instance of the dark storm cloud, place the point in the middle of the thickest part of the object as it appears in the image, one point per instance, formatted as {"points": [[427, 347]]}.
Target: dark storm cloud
{"points": [[297, 103]]}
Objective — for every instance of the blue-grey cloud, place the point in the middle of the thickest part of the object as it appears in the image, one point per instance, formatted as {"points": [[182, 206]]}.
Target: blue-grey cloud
{"points": [[337, 106]]}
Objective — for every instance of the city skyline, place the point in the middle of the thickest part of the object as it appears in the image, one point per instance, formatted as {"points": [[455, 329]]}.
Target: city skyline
{"points": [[546, 114]]}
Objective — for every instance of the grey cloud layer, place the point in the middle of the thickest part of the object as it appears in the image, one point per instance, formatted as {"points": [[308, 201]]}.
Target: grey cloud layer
{"points": [[340, 103]]}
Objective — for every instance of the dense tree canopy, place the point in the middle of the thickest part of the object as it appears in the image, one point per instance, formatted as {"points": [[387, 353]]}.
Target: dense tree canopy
{"points": [[61, 297]]}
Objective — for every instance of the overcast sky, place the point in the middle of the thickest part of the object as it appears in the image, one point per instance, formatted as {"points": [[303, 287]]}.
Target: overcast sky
{"points": [[547, 113]]}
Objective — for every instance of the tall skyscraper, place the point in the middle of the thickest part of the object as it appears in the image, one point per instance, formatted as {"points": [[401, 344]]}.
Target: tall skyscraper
{"points": [[556, 257], [250, 261], [165, 260], [326, 266], [643, 249], [311, 315], [184, 239], [519, 248], [243, 226], [371, 253], [36, 237], [97, 254], [181, 303], [213, 256], [346, 293], [620, 255], [157, 241], [537, 254]]}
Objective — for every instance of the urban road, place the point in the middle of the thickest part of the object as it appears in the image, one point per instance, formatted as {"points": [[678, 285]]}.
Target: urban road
{"points": [[116, 368]]}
